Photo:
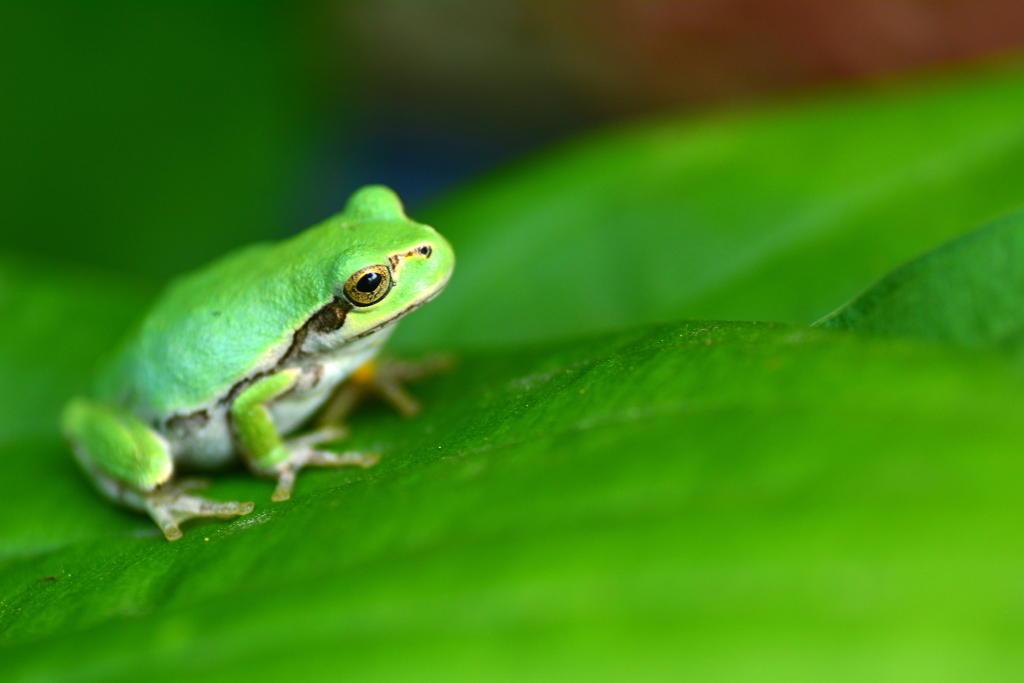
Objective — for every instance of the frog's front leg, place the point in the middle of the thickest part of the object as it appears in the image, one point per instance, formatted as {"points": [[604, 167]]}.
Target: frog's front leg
{"points": [[131, 464], [262, 446]]}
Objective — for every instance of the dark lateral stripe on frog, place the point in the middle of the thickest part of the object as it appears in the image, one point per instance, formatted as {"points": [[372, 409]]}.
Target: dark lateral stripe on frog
{"points": [[328, 318], [196, 420]]}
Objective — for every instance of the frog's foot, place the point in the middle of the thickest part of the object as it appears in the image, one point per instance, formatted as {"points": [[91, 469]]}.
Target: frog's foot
{"points": [[302, 452], [171, 504], [386, 380]]}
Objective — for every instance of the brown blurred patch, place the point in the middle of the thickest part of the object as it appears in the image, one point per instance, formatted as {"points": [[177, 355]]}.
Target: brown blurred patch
{"points": [[651, 54], [523, 61]]}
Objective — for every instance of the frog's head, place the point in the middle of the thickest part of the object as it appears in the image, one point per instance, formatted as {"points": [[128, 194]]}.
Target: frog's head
{"points": [[393, 266]]}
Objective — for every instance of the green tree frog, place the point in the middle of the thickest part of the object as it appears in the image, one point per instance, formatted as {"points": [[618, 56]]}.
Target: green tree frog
{"points": [[234, 357]]}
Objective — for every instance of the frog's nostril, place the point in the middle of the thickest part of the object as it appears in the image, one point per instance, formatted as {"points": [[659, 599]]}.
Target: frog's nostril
{"points": [[424, 250]]}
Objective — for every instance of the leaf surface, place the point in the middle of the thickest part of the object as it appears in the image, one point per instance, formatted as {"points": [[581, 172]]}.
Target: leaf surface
{"points": [[969, 291], [683, 496]]}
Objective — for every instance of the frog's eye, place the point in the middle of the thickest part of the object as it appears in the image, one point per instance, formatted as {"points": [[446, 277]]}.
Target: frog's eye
{"points": [[368, 285]]}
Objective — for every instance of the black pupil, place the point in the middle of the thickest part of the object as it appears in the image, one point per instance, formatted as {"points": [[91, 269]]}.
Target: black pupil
{"points": [[368, 282]]}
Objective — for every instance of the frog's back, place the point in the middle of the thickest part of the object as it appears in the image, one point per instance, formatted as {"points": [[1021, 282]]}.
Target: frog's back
{"points": [[212, 328]]}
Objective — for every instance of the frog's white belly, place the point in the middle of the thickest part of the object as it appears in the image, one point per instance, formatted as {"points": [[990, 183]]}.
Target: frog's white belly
{"points": [[208, 443]]}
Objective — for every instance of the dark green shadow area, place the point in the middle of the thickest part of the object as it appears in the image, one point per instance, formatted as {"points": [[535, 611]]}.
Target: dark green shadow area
{"points": [[148, 138], [58, 321]]}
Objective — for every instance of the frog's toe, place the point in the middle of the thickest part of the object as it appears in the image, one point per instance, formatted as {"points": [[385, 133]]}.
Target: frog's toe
{"points": [[329, 459], [285, 485], [318, 436], [170, 507], [301, 457]]}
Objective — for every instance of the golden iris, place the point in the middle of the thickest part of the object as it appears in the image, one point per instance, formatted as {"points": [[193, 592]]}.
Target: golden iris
{"points": [[368, 285]]}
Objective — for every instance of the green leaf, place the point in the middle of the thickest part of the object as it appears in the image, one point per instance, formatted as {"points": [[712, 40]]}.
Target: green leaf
{"points": [[969, 291], [777, 213], [685, 500], [696, 498]]}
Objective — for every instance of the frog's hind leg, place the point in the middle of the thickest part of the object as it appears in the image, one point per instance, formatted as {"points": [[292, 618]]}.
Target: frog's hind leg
{"points": [[385, 379], [131, 464]]}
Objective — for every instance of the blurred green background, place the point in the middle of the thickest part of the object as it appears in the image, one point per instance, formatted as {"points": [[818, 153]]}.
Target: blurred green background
{"points": [[136, 130], [613, 483]]}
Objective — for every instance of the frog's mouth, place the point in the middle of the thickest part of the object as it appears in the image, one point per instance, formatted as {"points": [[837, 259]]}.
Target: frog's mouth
{"points": [[404, 312]]}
